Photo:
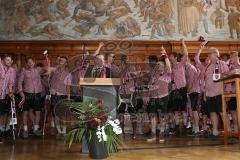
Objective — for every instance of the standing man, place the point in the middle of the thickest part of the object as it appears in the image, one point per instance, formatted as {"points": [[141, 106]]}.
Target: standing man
{"points": [[160, 75], [30, 88], [178, 97], [212, 74], [193, 87], [6, 93], [60, 82]]}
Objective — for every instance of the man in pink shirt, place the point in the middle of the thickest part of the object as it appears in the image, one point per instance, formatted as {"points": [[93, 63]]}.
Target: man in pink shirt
{"points": [[232, 104], [60, 82], [211, 75], [193, 86], [127, 82], [178, 96], [30, 88], [6, 92], [160, 77], [202, 68]]}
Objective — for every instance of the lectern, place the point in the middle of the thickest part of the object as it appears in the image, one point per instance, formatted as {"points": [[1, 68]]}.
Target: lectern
{"points": [[232, 77], [100, 88]]}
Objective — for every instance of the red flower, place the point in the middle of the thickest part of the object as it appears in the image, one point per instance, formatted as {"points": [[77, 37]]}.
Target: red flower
{"points": [[103, 118], [94, 123], [99, 101]]}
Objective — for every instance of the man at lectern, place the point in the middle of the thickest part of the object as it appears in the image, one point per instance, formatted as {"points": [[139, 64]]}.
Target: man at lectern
{"points": [[100, 69]]}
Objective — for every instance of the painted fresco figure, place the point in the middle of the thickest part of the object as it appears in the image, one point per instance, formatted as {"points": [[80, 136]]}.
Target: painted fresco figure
{"points": [[83, 5], [119, 3], [234, 23], [62, 10], [161, 19], [217, 18], [100, 6], [203, 12], [128, 28], [188, 17]]}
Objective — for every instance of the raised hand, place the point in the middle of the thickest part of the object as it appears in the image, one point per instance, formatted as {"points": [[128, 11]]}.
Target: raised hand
{"points": [[101, 44], [182, 41], [163, 50]]}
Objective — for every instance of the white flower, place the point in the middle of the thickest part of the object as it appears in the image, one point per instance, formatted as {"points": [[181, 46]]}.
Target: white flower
{"points": [[115, 124], [104, 136], [116, 121], [101, 134]]}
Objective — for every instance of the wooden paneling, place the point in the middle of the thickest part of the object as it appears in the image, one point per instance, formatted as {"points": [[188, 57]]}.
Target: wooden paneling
{"points": [[139, 51]]}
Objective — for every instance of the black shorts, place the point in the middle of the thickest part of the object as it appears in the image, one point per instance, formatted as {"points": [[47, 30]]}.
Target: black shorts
{"points": [[5, 106], [56, 99], [232, 104], [214, 104], [126, 108], [204, 108], [139, 105], [158, 105], [194, 100], [32, 101], [77, 98], [178, 100]]}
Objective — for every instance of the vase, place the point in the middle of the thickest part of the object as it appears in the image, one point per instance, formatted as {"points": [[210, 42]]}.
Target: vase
{"points": [[97, 150]]}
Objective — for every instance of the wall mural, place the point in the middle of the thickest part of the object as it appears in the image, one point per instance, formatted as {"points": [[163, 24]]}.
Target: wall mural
{"points": [[119, 19]]}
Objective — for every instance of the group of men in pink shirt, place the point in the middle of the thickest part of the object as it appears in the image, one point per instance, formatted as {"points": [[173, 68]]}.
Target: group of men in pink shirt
{"points": [[173, 83], [162, 91]]}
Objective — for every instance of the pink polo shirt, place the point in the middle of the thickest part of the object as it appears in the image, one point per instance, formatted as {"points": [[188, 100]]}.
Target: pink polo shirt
{"points": [[16, 77], [6, 80], [126, 84], [178, 74], [59, 81], [213, 88], [192, 78], [202, 69], [30, 80], [159, 87]]}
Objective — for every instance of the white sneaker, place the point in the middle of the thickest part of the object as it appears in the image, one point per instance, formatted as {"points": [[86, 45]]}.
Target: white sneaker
{"points": [[151, 139]]}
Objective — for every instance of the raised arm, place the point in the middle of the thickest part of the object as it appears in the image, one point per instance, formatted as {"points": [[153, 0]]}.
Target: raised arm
{"points": [[101, 44], [184, 48], [197, 57], [168, 64]]}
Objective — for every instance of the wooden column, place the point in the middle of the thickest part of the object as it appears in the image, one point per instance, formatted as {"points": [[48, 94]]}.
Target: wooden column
{"points": [[237, 81], [224, 111]]}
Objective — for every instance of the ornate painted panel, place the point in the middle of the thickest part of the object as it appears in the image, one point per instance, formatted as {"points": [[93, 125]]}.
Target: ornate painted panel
{"points": [[119, 19]]}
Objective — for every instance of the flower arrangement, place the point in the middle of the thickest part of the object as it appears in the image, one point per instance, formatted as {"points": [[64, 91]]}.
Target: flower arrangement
{"points": [[95, 124]]}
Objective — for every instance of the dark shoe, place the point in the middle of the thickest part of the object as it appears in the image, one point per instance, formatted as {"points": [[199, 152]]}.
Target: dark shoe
{"points": [[205, 134], [1, 137], [52, 131], [37, 133], [58, 136], [214, 137], [25, 134], [171, 131], [193, 134], [7, 134], [63, 135]]}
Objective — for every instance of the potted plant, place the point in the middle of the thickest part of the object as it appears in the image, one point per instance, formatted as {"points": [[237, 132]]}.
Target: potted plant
{"points": [[95, 124]]}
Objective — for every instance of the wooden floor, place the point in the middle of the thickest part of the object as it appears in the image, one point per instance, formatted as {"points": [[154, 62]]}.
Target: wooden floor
{"points": [[174, 148]]}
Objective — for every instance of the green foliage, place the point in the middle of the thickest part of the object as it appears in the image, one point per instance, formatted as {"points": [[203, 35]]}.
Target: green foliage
{"points": [[88, 112]]}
